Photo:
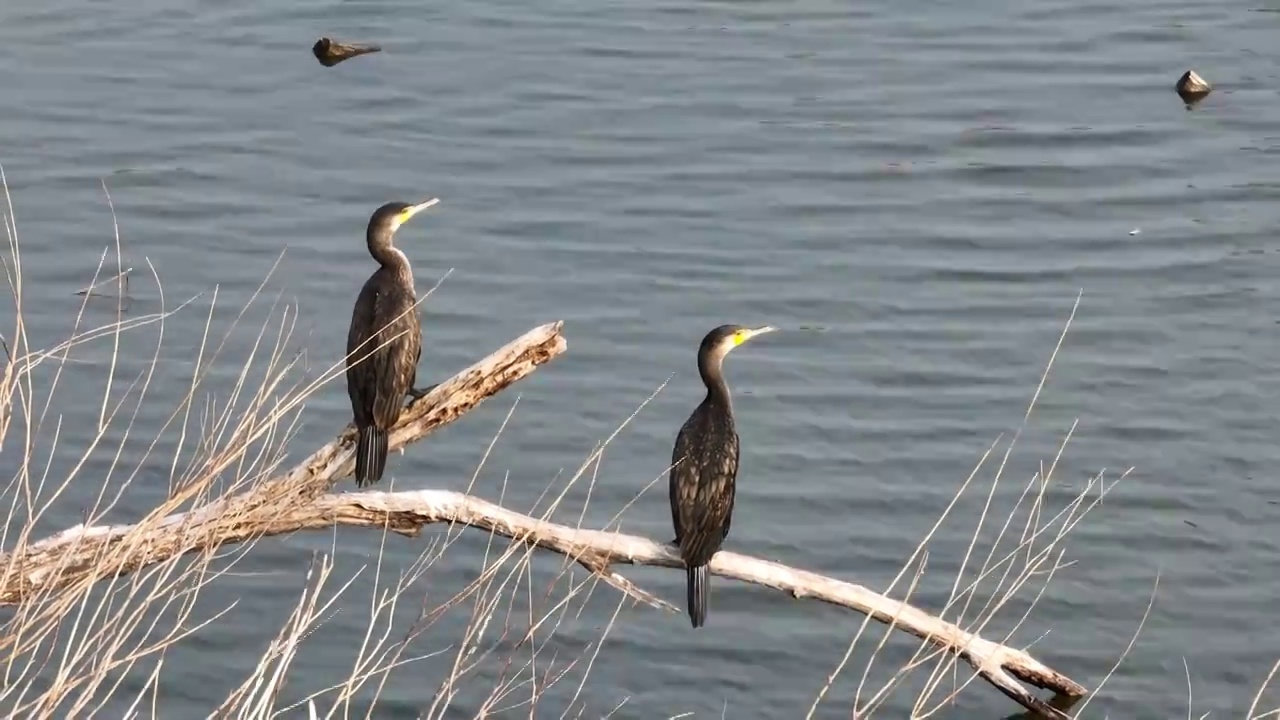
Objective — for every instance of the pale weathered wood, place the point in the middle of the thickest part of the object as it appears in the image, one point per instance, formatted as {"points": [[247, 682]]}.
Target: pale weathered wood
{"points": [[407, 512], [85, 554], [296, 500]]}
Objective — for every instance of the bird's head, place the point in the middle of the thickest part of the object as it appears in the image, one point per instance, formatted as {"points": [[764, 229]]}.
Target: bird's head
{"points": [[721, 340], [387, 219]]}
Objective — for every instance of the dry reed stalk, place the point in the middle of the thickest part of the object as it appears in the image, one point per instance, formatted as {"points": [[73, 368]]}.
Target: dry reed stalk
{"points": [[87, 610], [80, 579], [93, 552], [407, 512], [1031, 558], [1254, 712]]}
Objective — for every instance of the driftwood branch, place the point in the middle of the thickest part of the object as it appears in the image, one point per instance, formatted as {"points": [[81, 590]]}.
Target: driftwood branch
{"points": [[298, 500], [86, 554], [407, 513]]}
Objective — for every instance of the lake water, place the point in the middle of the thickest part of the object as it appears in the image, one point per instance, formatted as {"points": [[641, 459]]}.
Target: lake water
{"points": [[915, 192]]}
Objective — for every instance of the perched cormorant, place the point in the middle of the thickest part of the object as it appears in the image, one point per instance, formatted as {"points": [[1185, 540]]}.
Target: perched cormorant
{"points": [[705, 467], [381, 372]]}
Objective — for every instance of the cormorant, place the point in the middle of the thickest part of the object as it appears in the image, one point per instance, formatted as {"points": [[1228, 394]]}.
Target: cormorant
{"points": [[705, 467], [381, 371]]}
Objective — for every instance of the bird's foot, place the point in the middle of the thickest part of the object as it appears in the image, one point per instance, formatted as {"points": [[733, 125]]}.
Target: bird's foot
{"points": [[418, 394]]}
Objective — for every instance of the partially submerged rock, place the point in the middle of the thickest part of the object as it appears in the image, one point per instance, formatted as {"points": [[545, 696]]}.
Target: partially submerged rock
{"points": [[1192, 88], [330, 52]]}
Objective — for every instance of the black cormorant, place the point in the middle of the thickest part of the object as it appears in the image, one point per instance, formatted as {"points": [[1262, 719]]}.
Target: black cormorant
{"points": [[381, 371], [705, 467]]}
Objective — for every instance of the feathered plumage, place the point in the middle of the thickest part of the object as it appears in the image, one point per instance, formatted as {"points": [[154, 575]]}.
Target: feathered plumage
{"points": [[704, 473], [385, 328]]}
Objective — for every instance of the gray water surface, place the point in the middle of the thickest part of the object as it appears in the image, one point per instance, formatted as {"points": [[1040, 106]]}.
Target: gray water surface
{"points": [[915, 192]]}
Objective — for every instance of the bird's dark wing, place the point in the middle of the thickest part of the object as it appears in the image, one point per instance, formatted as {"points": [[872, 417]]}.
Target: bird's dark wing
{"points": [[417, 353], [733, 486], [703, 487], [360, 379], [378, 385], [398, 359], [682, 476]]}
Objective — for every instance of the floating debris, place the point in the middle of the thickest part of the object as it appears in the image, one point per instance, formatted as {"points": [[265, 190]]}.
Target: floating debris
{"points": [[331, 52], [1192, 88], [122, 283]]}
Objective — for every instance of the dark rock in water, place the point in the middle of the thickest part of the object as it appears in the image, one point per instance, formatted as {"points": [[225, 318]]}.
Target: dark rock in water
{"points": [[331, 52], [1192, 88]]}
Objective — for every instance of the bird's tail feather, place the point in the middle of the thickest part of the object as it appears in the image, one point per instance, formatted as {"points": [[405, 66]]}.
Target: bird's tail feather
{"points": [[699, 593], [371, 455]]}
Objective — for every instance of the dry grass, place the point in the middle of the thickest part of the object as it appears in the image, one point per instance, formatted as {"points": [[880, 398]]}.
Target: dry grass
{"points": [[70, 648], [1257, 713], [1025, 553]]}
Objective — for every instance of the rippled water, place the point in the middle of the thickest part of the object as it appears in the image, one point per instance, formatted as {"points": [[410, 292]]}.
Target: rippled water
{"points": [[925, 187]]}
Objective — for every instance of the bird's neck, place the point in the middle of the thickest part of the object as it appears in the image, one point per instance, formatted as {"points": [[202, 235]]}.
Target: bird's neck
{"points": [[392, 260], [713, 378]]}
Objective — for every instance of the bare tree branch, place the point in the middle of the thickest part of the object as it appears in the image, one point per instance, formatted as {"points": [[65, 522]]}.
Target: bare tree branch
{"points": [[407, 513], [298, 500], [87, 554]]}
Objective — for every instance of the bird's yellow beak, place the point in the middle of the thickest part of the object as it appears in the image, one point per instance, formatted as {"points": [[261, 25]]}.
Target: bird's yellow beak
{"points": [[412, 210], [744, 335]]}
